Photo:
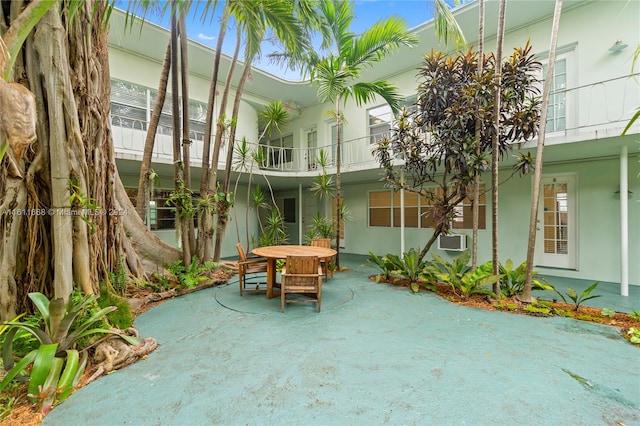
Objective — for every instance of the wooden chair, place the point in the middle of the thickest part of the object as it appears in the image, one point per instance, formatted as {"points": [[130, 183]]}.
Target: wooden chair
{"points": [[301, 275], [327, 262], [249, 271]]}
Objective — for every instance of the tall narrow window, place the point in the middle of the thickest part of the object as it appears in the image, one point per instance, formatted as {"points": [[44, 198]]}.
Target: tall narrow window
{"points": [[557, 110], [289, 210], [312, 149]]}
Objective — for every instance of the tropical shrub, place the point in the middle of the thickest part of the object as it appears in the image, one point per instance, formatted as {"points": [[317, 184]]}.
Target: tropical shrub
{"points": [[321, 228], [578, 299], [54, 367], [512, 281], [461, 277], [191, 275], [610, 313], [386, 264]]}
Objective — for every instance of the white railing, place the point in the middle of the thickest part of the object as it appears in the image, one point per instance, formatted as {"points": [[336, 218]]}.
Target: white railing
{"points": [[129, 136], [592, 107], [601, 105], [353, 152]]}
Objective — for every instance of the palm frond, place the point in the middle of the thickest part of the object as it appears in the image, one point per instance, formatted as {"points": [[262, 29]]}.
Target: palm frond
{"points": [[447, 29], [338, 15], [366, 92], [378, 40]]}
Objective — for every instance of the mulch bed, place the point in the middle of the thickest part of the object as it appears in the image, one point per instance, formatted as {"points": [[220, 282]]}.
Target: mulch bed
{"points": [[515, 306]]}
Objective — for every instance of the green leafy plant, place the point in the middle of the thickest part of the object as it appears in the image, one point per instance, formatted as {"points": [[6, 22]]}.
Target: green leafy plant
{"points": [[532, 308], [274, 231], [191, 275], [635, 335], [512, 281], [83, 204], [579, 299], [119, 279], [8, 400], [321, 228], [383, 264], [120, 317], [411, 268], [564, 313], [589, 318], [608, 313], [506, 306], [635, 315], [55, 364], [182, 199], [461, 277], [390, 265]]}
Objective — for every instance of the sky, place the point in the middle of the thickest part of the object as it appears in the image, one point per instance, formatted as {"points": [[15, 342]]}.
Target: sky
{"points": [[366, 12]]}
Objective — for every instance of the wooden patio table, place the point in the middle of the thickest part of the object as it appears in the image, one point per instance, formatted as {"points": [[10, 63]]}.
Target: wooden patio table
{"points": [[273, 253]]}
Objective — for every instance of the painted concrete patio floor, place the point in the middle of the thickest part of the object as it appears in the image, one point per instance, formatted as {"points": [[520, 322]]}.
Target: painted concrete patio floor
{"points": [[376, 354]]}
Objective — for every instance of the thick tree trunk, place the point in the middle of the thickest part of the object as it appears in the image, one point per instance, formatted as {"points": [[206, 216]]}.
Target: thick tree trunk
{"points": [[76, 222]]}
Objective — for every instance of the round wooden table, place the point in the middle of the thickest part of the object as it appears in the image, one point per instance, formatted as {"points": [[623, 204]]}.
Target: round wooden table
{"points": [[273, 253]]}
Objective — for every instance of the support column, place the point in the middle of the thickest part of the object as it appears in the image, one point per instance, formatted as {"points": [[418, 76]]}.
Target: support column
{"points": [[300, 202], [401, 214], [624, 222]]}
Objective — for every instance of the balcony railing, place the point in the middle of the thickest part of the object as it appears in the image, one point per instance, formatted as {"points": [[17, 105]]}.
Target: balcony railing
{"points": [[589, 108]]}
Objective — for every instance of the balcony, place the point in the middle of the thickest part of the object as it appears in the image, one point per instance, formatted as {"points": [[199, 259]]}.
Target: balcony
{"points": [[587, 112]]}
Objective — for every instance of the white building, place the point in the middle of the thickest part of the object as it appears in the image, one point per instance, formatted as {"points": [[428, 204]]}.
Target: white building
{"points": [[588, 228]]}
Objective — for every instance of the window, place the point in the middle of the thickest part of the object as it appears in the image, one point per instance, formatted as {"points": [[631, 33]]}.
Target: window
{"points": [[128, 105], [132, 105], [289, 210], [312, 148], [161, 216], [380, 119], [380, 208], [557, 110], [419, 212]]}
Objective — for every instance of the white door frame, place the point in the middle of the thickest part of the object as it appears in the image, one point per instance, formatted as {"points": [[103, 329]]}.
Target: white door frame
{"points": [[557, 245]]}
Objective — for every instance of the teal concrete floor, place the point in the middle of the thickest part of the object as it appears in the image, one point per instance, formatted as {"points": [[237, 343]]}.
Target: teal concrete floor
{"points": [[376, 354]]}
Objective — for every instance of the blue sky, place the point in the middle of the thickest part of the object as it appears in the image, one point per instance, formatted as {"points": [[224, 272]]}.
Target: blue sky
{"points": [[367, 12]]}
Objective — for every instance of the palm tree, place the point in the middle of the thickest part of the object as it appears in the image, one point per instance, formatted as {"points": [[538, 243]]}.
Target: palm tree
{"points": [[337, 75], [145, 166], [495, 153], [535, 196], [254, 19], [476, 185], [272, 117]]}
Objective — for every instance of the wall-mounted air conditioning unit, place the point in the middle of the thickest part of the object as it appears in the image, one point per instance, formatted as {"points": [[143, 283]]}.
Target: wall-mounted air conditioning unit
{"points": [[452, 242]]}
